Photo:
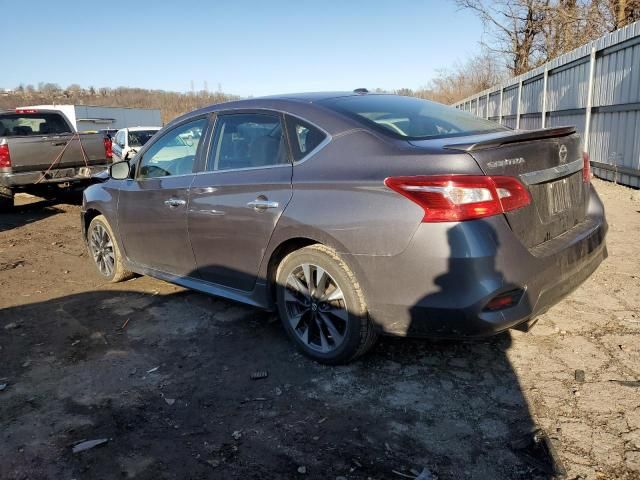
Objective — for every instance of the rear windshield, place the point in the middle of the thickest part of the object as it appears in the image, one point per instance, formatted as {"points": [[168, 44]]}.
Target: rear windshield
{"points": [[138, 138], [411, 118], [20, 125]]}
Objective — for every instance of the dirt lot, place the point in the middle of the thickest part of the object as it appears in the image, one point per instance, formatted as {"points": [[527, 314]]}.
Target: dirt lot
{"points": [[164, 375]]}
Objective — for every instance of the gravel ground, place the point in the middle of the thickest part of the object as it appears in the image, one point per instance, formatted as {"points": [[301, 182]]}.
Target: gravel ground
{"points": [[163, 374]]}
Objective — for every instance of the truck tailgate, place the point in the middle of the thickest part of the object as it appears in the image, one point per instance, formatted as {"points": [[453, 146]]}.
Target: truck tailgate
{"points": [[39, 153]]}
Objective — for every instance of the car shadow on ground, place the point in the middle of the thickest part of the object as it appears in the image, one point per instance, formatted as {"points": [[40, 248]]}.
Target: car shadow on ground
{"points": [[30, 209], [167, 380]]}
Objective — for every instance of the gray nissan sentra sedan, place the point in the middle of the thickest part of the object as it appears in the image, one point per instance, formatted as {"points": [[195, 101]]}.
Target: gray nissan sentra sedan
{"points": [[355, 214]]}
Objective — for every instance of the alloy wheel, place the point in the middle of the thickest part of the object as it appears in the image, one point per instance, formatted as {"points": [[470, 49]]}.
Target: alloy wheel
{"points": [[316, 308], [101, 247]]}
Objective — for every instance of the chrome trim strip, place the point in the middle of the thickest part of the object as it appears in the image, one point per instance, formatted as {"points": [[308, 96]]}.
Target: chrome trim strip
{"points": [[264, 167], [541, 176]]}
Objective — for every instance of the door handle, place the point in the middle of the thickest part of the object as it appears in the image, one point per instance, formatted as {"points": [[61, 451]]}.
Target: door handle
{"points": [[259, 204], [175, 202]]}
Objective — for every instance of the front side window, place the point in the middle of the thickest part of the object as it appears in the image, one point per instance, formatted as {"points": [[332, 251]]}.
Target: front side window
{"points": [[172, 154], [304, 137], [411, 118], [247, 141], [20, 125]]}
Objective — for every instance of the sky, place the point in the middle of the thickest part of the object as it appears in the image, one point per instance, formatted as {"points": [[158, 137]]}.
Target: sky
{"points": [[244, 47]]}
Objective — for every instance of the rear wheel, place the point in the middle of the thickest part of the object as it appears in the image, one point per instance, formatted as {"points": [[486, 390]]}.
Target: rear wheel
{"points": [[105, 251], [322, 307], [6, 199]]}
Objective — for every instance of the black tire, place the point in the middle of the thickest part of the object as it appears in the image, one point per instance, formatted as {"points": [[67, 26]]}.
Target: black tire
{"points": [[333, 307], [107, 259], [6, 200]]}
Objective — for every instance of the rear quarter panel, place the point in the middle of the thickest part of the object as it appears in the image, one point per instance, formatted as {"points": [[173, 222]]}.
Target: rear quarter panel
{"points": [[340, 200]]}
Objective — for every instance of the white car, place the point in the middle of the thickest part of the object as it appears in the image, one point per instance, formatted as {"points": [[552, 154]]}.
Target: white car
{"points": [[128, 141]]}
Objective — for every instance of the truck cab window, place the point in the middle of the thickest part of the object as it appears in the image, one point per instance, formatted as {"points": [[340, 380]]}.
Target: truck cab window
{"points": [[19, 125]]}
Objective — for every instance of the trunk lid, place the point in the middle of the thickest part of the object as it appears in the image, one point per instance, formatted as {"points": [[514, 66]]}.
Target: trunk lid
{"points": [[549, 163]]}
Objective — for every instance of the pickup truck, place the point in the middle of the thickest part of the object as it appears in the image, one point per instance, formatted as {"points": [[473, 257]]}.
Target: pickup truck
{"points": [[41, 147]]}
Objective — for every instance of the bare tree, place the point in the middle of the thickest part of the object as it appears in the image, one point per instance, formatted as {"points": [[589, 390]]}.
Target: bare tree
{"points": [[527, 33], [623, 12], [512, 28], [463, 79]]}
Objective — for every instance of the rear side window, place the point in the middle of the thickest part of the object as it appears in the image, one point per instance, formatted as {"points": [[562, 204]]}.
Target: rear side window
{"points": [[304, 137], [411, 118], [247, 141], [20, 125]]}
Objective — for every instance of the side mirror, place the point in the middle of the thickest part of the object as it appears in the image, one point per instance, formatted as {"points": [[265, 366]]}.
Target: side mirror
{"points": [[120, 170]]}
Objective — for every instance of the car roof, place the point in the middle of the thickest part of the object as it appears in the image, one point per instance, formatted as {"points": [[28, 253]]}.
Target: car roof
{"points": [[305, 105]]}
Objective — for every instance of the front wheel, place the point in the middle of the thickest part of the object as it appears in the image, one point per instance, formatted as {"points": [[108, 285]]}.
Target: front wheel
{"points": [[105, 251], [322, 306]]}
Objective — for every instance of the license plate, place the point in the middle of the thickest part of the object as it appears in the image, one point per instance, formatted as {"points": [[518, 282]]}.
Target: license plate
{"points": [[559, 195]]}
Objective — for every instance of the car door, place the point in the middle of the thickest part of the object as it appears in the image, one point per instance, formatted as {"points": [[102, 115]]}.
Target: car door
{"points": [[236, 202], [152, 208]]}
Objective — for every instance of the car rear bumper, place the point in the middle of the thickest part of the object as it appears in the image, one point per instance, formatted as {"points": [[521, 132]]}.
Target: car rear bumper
{"points": [[440, 285], [59, 175]]}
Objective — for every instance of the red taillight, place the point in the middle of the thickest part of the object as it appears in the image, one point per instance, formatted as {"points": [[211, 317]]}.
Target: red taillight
{"points": [[5, 158], [454, 198], [108, 152], [586, 169], [26, 110]]}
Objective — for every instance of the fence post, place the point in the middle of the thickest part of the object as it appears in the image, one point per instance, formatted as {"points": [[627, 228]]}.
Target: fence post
{"points": [[500, 107], [518, 106], [544, 96], [486, 108], [587, 117]]}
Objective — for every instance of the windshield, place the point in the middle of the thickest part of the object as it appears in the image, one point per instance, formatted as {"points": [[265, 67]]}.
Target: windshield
{"points": [[138, 138], [411, 118]]}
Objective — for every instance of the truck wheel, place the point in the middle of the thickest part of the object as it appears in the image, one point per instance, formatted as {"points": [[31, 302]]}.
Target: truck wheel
{"points": [[6, 199], [322, 306], [105, 251]]}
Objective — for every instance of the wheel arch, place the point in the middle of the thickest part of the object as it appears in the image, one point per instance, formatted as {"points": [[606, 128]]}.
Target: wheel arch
{"points": [[286, 244], [283, 249], [87, 216]]}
